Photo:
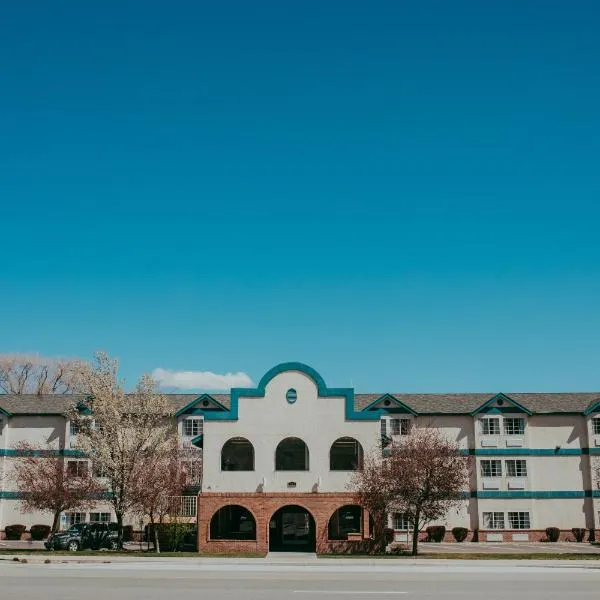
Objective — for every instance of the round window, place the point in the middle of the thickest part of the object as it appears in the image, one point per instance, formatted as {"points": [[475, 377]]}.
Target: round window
{"points": [[291, 396]]}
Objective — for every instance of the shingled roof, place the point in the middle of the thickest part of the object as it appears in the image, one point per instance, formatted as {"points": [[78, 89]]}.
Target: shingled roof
{"points": [[542, 403]]}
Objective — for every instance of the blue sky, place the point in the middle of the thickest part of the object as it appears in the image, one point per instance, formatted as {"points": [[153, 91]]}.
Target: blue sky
{"points": [[405, 195]]}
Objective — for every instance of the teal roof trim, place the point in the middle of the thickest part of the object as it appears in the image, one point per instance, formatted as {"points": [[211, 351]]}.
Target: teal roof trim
{"points": [[503, 397], [393, 400], [351, 414], [5, 412], [592, 408], [199, 410]]}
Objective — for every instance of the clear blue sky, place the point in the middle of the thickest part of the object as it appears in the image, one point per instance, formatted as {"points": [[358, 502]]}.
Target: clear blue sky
{"points": [[405, 195]]}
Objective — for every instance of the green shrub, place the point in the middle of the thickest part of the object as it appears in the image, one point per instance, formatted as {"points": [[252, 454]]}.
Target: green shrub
{"points": [[552, 533], [40, 532], [388, 535], [579, 533], [460, 533], [173, 537], [435, 533], [127, 533], [14, 532]]}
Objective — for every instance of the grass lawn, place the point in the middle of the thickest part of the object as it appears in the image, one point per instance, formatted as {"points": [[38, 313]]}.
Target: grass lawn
{"points": [[37, 552], [476, 556]]}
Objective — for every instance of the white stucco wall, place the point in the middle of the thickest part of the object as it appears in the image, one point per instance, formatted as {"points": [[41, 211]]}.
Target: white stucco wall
{"points": [[266, 421]]}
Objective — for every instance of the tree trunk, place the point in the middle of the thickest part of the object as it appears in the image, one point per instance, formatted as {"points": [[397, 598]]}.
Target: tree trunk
{"points": [[119, 516], [415, 533], [155, 530], [56, 521]]}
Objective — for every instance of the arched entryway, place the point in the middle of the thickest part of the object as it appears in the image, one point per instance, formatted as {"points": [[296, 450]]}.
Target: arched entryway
{"points": [[292, 529]]}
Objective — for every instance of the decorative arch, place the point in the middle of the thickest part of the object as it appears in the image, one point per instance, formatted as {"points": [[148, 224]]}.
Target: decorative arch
{"points": [[237, 454], [292, 528], [291, 454], [346, 454], [233, 522], [346, 519]]}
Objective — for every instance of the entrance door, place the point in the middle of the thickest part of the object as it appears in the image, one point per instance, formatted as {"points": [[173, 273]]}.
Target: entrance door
{"points": [[292, 529]]}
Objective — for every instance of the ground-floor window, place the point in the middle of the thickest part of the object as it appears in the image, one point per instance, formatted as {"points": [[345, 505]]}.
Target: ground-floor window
{"points": [[99, 517], [74, 517], [519, 520], [233, 523], [493, 520], [400, 521], [345, 520]]}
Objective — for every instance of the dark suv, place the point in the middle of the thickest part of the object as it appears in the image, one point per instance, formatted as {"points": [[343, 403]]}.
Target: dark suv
{"points": [[83, 536]]}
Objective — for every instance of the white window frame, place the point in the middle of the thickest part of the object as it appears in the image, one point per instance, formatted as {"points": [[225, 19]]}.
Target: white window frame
{"points": [[103, 517], [74, 517], [196, 425], [392, 426], [596, 426], [73, 428], [401, 518], [486, 422], [493, 520], [495, 468], [509, 424], [521, 518], [517, 465], [78, 469]]}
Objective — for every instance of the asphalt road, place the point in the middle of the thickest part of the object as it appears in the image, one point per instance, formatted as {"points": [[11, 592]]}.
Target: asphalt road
{"points": [[263, 581]]}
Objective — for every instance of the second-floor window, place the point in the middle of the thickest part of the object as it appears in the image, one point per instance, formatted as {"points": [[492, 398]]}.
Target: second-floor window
{"points": [[596, 425], [516, 468], [77, 468], [73, 428], [395, 427], [490, 426], [514, 426], [491, 468], [192, 427]]}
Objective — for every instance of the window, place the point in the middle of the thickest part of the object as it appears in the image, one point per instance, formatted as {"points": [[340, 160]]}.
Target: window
{"points": [[99, 470], [490, 426], [183, 506], [518, 520], [100, 517], [346, 454], [291, 455], [516, 468], [493, 520], [514, 426], [75, 517], [192, 427], [345, 520], [73, 428], [596, 425], [192, 470], [491, 468], [400, 521], [1, 425], [237, 455], [233, 523], [77, 468]]}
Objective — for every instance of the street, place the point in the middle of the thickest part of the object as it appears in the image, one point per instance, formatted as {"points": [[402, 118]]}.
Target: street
{"points": [[262, 580]]}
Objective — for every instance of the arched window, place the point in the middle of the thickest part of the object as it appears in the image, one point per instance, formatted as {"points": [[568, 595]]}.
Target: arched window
{"points": [[237, 455], [291, 455], [345, 520], [346, 454], [233, 522]]}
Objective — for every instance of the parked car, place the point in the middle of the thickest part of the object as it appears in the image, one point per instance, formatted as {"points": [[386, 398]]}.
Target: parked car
{"points": [[82, 536]]}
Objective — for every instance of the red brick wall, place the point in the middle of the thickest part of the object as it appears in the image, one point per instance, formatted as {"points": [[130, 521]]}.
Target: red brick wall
{"points": [[262, 506]]}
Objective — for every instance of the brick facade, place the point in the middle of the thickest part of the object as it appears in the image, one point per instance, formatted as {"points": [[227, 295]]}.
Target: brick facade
{"points": [[263, 506]]}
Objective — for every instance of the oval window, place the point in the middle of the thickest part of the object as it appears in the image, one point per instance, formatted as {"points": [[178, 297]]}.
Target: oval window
{"points": [[291, 396]]}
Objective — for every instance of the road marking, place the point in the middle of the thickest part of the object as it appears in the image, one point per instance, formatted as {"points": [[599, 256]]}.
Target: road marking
{"points": [[347, 592]]}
